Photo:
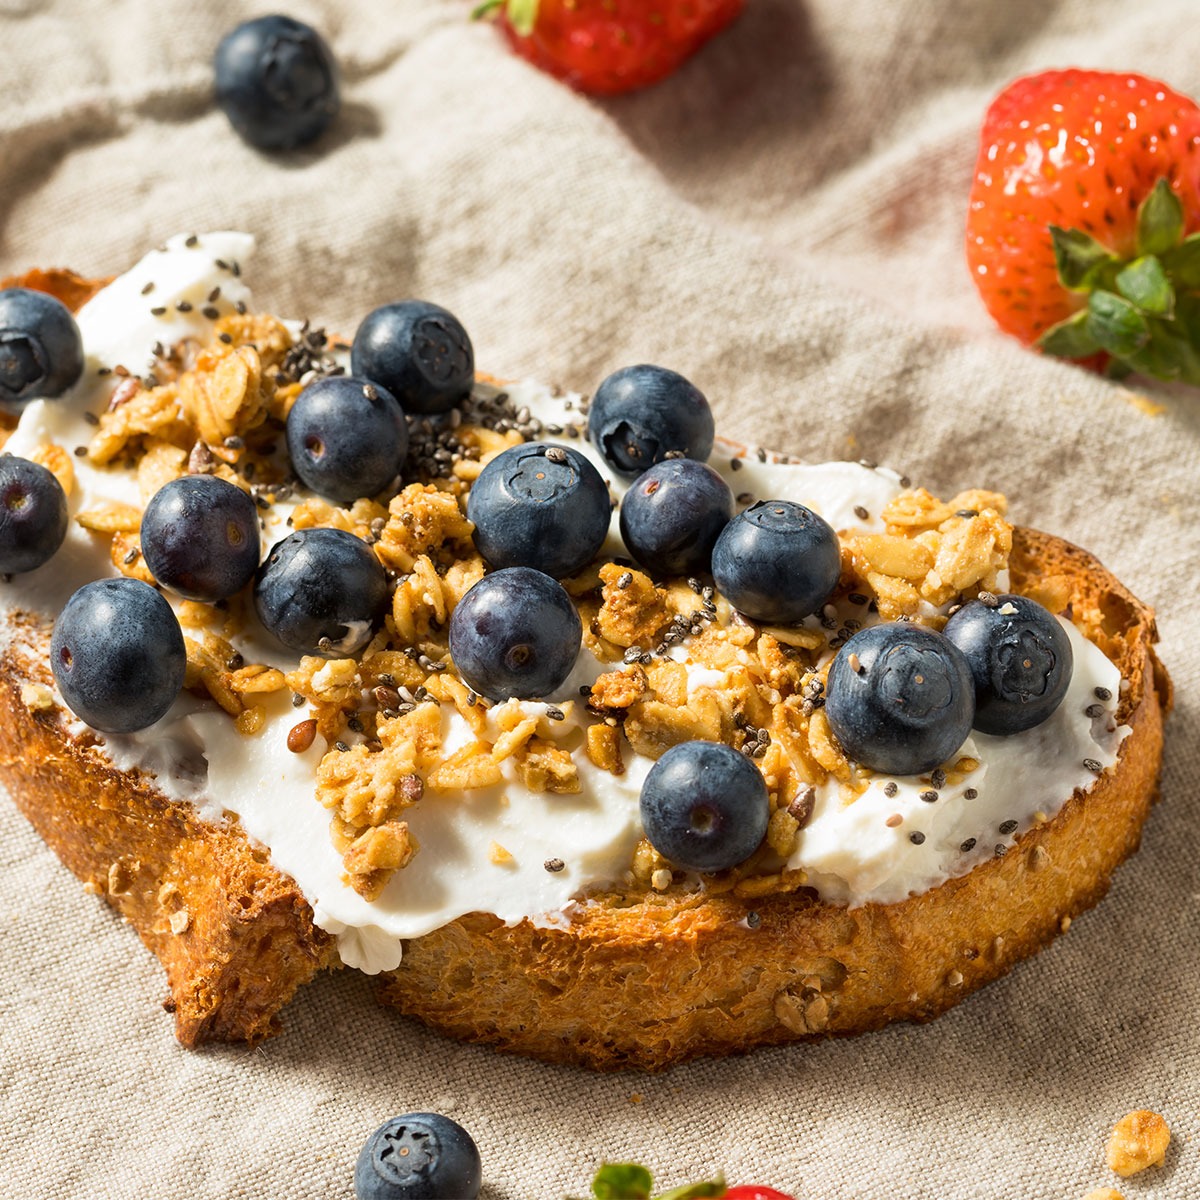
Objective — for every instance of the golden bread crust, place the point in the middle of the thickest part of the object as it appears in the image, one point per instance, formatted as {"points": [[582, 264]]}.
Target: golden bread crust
{"points": [[632, 979]]}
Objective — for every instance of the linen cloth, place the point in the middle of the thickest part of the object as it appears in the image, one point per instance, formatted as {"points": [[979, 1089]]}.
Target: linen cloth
{"points": [[782, 222]]}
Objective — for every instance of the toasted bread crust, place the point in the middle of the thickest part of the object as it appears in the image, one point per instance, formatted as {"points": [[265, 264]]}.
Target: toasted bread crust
{"points": [[633, 979]]}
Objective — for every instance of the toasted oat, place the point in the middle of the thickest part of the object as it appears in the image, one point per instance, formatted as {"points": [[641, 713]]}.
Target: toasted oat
{"points": [[57, 461], [111, 517], [619, 689], [376, 854], [37, 697], [469, 767], [1138, 1140]]}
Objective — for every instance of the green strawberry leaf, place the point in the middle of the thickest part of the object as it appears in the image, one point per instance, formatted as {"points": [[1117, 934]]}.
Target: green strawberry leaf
{"points": [[1159, 220], [1144, 284], [1079, 258], [522, 16], [1183, 262], [692, 1191], [486, 9], [1070, 338], [622, 1181], [1116, 325]]}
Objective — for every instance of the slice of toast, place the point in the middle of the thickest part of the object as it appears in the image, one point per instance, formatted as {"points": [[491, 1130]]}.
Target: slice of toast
{"points": [[634, 977]]}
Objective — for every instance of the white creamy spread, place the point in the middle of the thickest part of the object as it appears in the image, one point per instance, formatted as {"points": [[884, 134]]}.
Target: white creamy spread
{"points": [[850, 852]]}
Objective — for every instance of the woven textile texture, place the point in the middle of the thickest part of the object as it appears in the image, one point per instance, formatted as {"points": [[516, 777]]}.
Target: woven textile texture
{"points": [[782, 222]]}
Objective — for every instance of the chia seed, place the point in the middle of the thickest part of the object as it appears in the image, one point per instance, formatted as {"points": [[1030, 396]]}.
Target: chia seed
{"points": [[1092, 765], [916, 837], [930, 797], [753, 920], [970, 794], [988, 600], [968, 846], [1102, 693], [554, 865], [1006, 827], [861, 513], [1094, 710], [890, 788]]}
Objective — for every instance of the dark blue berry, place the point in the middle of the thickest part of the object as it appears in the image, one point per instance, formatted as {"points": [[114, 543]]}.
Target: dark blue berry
{"points": [[347, 438], [200, 537], [1020, 660], [276, 81], [899, 698], [321, 591], [41, 350], [515, 634], [419, 352], [419, 1156], [33, 515], [117, 654], [539, 506], [673, 514], [777, 561], [705, 806], [641, 415]]}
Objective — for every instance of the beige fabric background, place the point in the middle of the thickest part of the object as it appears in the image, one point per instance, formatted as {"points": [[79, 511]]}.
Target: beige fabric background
{"points": [[781, 222]]}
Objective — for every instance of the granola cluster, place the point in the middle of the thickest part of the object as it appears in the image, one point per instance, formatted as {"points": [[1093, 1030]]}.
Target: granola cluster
{"points": [[219, 409]]}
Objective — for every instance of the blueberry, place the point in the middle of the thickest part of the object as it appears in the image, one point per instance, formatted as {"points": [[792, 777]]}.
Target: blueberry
{"points": [[419, 352], [777, 561], [419, 1156], [117, 654], [1020, 660], [41, 350], [200, 537], [539, 506], [899, 698], [515, 633], [321, 591], [347, 438], [673, 514], [640, 415], [33, 515], [276, 81], [705, 806]]}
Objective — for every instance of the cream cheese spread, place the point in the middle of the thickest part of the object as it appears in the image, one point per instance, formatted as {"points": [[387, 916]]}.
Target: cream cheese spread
{"points": [[854, 853]]}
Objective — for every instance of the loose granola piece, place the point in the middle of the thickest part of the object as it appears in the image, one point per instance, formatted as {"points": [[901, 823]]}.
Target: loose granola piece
{"points": [[376, 854], [421, 521], [359, 519], [619, 689], [126, 555], [57, 461], [1139, 1140], [146, 413], [604, 748], [111, 517], [633, 615], [226, 394], [545, 767], [653, 727], [162, 462], [469, 767]]}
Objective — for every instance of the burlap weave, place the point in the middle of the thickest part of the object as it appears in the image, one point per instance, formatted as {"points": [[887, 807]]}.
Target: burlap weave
{"points": [[782, 222]]}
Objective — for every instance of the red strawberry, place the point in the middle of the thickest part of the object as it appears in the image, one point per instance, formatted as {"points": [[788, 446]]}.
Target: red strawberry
{"points": [[1086, 189], [610, 46], [754, 1192]]}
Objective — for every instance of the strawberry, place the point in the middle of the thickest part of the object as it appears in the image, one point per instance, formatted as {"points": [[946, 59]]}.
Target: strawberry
{"points": [[754, 1191], [610, 46], [1083, 218], [631, 1181]]}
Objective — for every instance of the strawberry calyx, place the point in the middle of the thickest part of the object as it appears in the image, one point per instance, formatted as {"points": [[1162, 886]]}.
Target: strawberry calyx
{"points": [[631, 1181], [1143, 311], [521, 14]]}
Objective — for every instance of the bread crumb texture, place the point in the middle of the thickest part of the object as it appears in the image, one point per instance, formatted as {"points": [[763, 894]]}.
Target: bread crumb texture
{"points": [[1139, 1140]]}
